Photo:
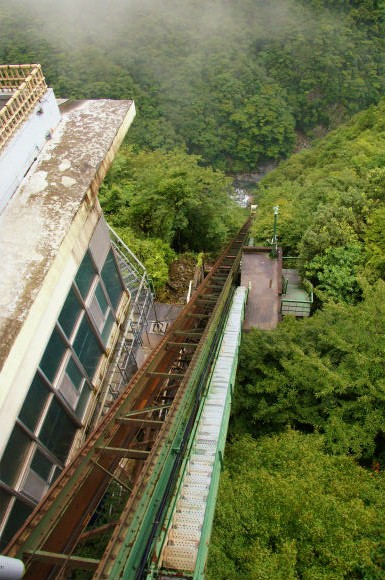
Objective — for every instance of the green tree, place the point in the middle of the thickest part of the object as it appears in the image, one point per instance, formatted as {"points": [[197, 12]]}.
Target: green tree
{"points": [[286, 509], [334, 273], [168, 195], [375, 245], [325, 373]]}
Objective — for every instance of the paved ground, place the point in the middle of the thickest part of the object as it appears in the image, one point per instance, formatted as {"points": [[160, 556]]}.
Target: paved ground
{"points": [[163, 313], [262, 310]]}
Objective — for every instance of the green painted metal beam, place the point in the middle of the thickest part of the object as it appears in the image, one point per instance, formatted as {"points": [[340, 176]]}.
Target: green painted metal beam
{"points": [[63, 559], [127, 453], [140, 422], [166, 375], [141, 512]]}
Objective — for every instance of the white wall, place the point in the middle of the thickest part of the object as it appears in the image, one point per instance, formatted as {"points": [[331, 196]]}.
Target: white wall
{"points": [[28, 348], [25, 145]]}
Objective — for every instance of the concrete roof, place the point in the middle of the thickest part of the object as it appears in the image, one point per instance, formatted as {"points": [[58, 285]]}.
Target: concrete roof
{"points": [[37, 218]]}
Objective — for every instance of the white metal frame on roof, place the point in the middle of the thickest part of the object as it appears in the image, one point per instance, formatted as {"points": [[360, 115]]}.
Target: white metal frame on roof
{"points": [[26, 85]]}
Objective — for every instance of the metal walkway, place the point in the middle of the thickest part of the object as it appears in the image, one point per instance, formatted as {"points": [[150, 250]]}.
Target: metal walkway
{"points": [[129, 468], [185, 543]]}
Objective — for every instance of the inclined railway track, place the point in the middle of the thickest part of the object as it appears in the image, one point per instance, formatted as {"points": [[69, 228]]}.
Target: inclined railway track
{"points": [[147, 427]]}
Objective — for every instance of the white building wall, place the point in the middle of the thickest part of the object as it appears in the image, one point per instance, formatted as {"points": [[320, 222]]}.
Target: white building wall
{"points": [[24, 147], [28, 348]]}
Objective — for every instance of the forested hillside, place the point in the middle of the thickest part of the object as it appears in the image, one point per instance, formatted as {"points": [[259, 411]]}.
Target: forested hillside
{"points": [[223, 87], [304, 480], [332, 208], [162, 203], [234, 82]]}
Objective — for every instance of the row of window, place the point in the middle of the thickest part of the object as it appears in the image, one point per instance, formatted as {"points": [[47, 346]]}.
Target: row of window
{"points": [[60, 392]]}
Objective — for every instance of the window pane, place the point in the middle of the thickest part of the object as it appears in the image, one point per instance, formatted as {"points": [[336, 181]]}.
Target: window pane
{"points": [[53, 355], [96, 313], [17, 517], [41, 465], [85, 275], [99, 308], [87, 348], [68, 391], [56, 474], [34, 403], [34, 486], [83, 401], [112, 280], [5, 498], [74, 374], [14, 456], [107, 328], [101, 299], [70, 383], [58, 431], [70, 313]]}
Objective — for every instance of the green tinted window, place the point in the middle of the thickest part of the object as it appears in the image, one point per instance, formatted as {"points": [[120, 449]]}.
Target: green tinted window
{"points": [[87, 347], [19, 514], [74, 374], [101, 299], [107, 328], [41, 465], [85, 275], [53, 355], [58, 431], [112, 280], [14, 455], [70, 313], [83, 401], [34, 402]]}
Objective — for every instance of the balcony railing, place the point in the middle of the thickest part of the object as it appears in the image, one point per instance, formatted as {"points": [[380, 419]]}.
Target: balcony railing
{"points": [[25, 85]]}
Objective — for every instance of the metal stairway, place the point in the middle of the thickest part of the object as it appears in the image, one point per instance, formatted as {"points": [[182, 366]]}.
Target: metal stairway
{"points": [[185, 542], [137, 283]]}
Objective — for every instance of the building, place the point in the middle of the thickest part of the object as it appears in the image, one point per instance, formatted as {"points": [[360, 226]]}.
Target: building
{"points": [[71, 298]]}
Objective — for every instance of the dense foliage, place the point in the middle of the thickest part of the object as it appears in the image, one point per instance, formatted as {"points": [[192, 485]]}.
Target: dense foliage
{"points": [[331, 200], [232, 84], [323, 374], [229, 80], [294, 504], [288, 510], [165, 202]]}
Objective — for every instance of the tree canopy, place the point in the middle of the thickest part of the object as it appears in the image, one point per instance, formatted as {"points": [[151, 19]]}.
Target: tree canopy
{"points": [[323, 374], [230, 81], [331, 200], [286, 509], [162, 202]]}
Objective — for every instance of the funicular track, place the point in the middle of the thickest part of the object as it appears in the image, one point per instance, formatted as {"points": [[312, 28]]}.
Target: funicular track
{"points": [[138, 446]]}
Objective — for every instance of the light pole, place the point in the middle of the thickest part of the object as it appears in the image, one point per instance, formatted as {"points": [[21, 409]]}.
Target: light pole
{"points": [[274, 241]]}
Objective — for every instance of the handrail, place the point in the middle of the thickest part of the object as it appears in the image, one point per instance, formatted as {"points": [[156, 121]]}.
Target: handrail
{"points": [[26, 84], [298, 301]]}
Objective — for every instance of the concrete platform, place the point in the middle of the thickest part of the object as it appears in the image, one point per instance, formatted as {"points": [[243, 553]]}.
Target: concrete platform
{"points": [[264, 274], [295, 300]]}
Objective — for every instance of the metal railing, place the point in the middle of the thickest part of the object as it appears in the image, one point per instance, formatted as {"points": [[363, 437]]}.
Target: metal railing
{"points": [[291, 262], [137, 283], [26, 85], [297, 307]]}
